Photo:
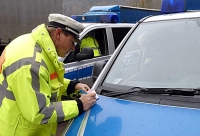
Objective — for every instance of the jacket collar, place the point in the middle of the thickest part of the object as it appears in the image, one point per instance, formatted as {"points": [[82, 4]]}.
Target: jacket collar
{"points": [[42, 37]]}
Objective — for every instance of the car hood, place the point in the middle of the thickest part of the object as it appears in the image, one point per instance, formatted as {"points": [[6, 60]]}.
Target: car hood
{"points": [[111, 116]]}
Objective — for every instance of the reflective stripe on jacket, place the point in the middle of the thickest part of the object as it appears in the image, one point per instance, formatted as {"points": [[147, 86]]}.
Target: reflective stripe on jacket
{"points": [[31, 86], [91, 42]]}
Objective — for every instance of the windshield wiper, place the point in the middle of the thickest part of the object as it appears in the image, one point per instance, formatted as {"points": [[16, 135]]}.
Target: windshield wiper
{"points": [[175, 91], [168, 91], [131, 90], [183, 91]]}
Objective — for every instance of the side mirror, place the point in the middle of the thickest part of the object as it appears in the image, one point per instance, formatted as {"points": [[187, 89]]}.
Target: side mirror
{"points": [[97, 68], [86, 53]]}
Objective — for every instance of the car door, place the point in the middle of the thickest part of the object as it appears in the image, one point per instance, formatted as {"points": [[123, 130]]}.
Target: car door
{"points": [[82, 70], [108, 39]]}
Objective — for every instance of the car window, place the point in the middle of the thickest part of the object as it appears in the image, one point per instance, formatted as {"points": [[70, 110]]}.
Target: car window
{"points": [[161, 54], [119, 34], [101, 37]]}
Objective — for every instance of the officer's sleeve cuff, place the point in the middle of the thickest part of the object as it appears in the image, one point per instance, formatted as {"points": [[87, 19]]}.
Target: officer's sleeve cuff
{"points": [[80, 106], [71, 87]]}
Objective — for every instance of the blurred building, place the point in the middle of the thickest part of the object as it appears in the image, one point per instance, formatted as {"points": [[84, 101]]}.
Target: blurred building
{"points": [[21, 16]]}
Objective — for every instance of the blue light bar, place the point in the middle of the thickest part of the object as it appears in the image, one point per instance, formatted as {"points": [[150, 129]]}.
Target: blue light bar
{"points": [[173, 6], [101, 17], [109, 18]]}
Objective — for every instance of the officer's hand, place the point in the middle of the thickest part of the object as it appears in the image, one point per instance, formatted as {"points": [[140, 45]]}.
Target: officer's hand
{"points": [[81, 86], [88, 100]]}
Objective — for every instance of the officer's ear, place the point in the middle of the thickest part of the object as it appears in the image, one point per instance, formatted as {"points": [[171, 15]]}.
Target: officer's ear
{"points": [[58, 33]]}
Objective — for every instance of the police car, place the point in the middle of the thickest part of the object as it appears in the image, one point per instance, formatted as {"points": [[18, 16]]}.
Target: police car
{"points": [[108, 36], [150, 85]]}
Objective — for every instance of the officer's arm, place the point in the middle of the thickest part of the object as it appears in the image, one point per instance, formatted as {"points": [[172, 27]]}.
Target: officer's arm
{"points": [[35, 100], [69, 86]]}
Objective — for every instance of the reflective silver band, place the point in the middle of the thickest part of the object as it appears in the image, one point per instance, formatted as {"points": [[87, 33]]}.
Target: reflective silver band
{"points": [[5, 93], [60, 113], [53, 97], [16, 65], [35, 69], [35, 66], [2, 94], [47, 111]]}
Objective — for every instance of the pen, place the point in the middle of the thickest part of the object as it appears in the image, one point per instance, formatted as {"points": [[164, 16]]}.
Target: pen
{"points": [[82, 92]]}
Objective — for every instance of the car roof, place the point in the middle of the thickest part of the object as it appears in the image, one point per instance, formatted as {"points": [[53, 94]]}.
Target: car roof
{"points": [[182, 15], [107, 24], [104, 25]]}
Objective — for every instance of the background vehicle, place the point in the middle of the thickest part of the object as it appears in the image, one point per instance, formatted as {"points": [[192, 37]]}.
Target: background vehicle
{"points": [[21, 16], [108, 35], [119, 14], [154, 77]]}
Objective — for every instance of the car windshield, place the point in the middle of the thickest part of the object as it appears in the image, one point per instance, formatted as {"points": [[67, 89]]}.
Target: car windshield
{"points": [[163, 54]]}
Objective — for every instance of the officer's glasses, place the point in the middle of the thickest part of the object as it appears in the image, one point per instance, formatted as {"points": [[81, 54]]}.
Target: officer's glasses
{"points": [[73, 43], [77, 41]]}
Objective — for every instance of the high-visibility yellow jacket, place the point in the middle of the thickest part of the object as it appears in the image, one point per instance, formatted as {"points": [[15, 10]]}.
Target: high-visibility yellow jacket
{"points": [[31, 86], [90, 41]]}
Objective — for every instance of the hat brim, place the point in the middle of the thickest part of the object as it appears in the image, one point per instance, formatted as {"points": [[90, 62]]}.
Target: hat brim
{"points": [[77, 40], [75, 36]]}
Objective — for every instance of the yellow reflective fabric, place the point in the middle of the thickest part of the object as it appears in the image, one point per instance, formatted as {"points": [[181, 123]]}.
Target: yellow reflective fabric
{"points": [[91, 42], [29, 108], [2, 59]]}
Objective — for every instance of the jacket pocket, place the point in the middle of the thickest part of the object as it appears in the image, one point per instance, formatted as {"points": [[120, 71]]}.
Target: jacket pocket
{"points": [[55, 91], [26, 128]]}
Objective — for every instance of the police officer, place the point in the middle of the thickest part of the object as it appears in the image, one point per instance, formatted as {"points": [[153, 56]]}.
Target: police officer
{"points": [[32, 80], [91, 42]]}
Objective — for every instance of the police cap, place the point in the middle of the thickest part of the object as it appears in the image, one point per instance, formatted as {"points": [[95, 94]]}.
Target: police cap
{"points": [[66, 23]]}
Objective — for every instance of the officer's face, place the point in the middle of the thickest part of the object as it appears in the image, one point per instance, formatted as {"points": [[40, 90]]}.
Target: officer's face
{"points": [[66, 43]]}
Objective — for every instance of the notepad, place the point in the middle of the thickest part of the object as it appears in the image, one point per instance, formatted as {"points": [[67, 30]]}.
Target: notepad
{"points": [[83, 92]]}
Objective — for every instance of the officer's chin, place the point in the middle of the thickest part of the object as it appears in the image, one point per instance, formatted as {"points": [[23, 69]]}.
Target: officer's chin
{"points": [[64, 56]]}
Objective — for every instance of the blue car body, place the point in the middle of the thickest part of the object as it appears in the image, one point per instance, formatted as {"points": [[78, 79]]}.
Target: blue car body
{"points": [[154, 77], [116, 117]]}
